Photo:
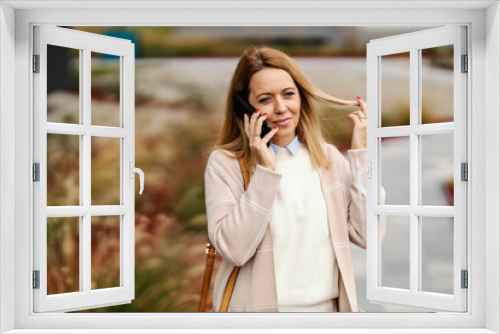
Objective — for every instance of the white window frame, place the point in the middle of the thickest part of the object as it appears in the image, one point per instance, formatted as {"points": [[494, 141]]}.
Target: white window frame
{"points": [[483, 21], [86, 43], [413, 44]]}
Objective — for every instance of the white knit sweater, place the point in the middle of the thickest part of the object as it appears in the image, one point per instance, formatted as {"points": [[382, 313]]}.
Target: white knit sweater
{"points": [[306, 270]]}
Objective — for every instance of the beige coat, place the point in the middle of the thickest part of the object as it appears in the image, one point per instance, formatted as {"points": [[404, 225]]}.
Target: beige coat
{"points": [[239, 226]]}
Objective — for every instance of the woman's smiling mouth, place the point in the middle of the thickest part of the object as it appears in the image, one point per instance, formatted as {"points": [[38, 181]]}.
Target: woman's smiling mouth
{"points": [[283, 122]]}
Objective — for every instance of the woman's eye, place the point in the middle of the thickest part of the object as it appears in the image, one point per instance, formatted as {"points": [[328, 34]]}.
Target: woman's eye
{"points": [[264, 100], [289, 93]]}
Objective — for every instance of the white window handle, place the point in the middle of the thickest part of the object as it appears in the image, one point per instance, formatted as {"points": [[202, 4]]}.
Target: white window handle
{"points": [[133, 170], [368, 170]]}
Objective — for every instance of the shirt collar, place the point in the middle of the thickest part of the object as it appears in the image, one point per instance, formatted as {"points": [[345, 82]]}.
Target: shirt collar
{"points": [[293, 147]]}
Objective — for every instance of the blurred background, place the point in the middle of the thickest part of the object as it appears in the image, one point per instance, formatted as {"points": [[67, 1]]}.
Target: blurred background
{"points": [[182, 77]]}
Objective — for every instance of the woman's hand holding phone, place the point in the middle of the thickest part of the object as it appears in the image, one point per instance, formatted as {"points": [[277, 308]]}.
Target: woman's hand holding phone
{"points": [[264, 153]]}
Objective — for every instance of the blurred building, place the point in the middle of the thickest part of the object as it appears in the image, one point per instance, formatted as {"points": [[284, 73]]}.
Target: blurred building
{"points": [[319, 35]]}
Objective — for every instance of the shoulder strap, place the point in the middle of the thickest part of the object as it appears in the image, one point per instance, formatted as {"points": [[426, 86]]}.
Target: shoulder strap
{"points": [[244, 170], [209, 268], [210, 262], [234, 274]]}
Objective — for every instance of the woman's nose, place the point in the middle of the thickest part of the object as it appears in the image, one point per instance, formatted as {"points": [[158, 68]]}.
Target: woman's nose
{"points": [[279, 105]]}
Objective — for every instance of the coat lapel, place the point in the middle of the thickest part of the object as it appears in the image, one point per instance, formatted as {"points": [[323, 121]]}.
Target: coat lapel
{"points": [[337, 216]]}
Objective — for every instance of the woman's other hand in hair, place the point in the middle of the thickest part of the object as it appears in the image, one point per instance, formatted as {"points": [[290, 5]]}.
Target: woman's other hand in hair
{"points": [[264, 154], [358, 140]]}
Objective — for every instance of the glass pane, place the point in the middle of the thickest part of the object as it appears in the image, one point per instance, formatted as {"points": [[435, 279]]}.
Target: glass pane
{"points": [[105, 88], [437, 84], [63, 170], [395, 253], [437, 170], [395, 169], [395, 89], [105, 171], [437, 254], [63, 255], [63, 84], [105, 259]]}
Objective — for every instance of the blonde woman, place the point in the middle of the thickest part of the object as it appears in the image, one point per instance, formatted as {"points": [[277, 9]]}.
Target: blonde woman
{"points": [[290, 230]]}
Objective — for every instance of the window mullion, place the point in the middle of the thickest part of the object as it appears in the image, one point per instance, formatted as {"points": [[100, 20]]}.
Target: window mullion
{"points": [[84, 181], [414, 171], [422, 211], [433, 128], [80, 211], [85, 248], [420, 129], [417, 121], [123, 175], [80, 130]]}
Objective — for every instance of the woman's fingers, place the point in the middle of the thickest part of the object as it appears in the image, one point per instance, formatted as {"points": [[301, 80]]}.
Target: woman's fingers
{"points": [[253, 128], [270, 135], [354, 118], [258, 125], [246, 123], [361, 115], [250, 123], [358, 140], [253, 120], [362, 104]]}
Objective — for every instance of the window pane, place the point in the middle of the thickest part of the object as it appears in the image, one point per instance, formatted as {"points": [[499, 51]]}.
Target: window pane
{"points": [[395, 253], [63, 85], [105, 252], [63, 170], [63, 255], [395, 168], [105, 88], [437, 254], [437, 170], [437, 84], [105, 171], [395, 89]]}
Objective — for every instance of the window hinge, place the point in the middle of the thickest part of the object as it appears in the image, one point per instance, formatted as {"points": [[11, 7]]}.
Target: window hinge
{"points": [[36, 279], [36, 63], [465, 279], [465, 171], [465, 64], [36, 172]]}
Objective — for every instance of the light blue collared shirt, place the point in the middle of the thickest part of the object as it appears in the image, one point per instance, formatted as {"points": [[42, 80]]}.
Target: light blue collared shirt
{"points": [[293, 147]]}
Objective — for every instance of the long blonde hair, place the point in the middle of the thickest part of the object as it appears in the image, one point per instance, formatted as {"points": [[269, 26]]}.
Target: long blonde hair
{"points": [[232, 136]]}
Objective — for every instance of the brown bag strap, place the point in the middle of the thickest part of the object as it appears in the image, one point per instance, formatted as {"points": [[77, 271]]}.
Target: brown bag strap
{"points": [[209, 268], [229, 289], [210, 263], [244, 170]]}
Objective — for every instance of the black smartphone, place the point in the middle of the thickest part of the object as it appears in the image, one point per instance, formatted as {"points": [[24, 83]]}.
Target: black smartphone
{"points": [[243, 107]]}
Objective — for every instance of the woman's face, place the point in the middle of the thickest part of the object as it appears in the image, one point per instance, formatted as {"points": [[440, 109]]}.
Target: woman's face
{"points": [[274, 92]]}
